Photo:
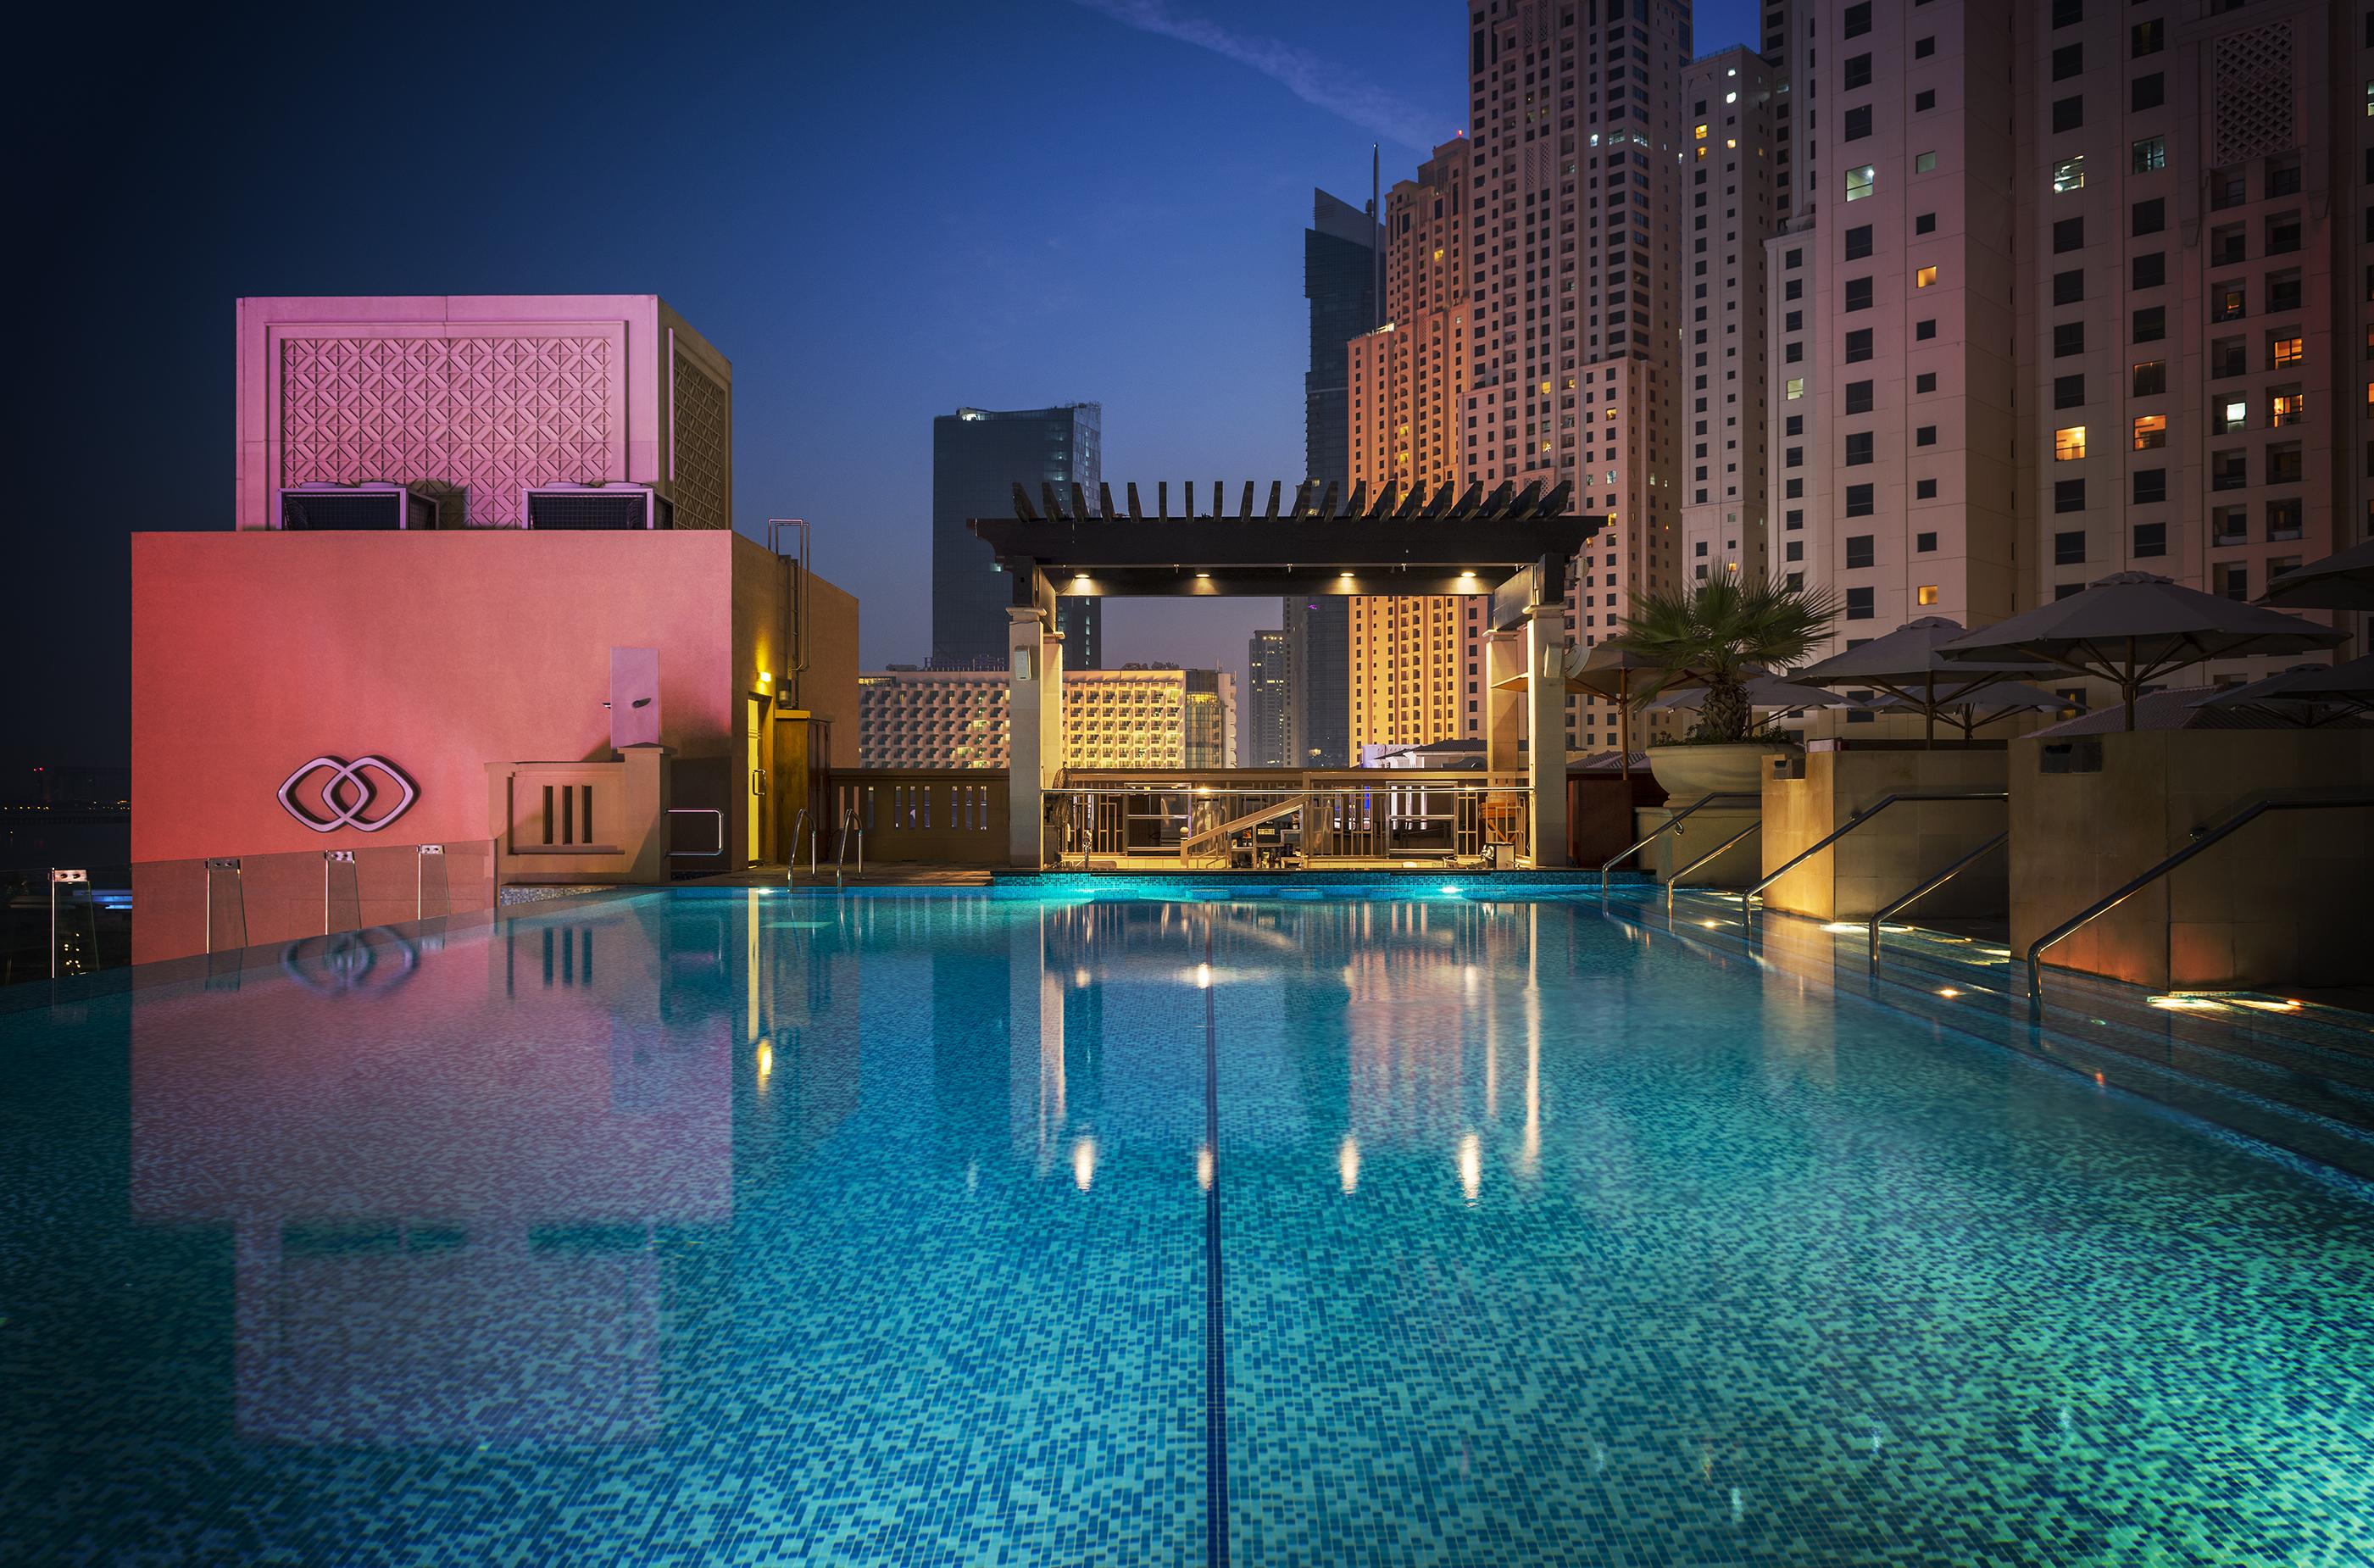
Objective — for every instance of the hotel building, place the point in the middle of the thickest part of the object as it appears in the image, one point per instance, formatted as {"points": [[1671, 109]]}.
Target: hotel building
{"points": [[1269, 682], [1136, 717], [1416, 662], [1731, 213], [978, 456], [2067, 293], [1576, 114], [481, 595]]}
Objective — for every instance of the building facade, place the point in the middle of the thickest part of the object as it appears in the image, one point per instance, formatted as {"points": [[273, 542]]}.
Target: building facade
{"points": [[2066, 294], [1269, 680], [978, 456], [1340, 264], [1415, 661], [1731, 210], [1137, 716], [1576, 324]]}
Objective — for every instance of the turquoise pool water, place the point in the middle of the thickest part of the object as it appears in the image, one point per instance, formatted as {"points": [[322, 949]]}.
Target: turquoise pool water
{"points": [[709, 1228]]}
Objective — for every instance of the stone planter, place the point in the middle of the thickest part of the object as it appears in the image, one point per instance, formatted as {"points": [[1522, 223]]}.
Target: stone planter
{"points": [[1693, 773]]}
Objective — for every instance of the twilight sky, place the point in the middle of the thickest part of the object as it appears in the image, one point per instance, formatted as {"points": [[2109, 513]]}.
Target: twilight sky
{"points": [[878, 212]]}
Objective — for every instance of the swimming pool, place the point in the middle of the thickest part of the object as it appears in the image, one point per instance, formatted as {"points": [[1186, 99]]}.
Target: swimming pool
{"points": [[707, 1227]]}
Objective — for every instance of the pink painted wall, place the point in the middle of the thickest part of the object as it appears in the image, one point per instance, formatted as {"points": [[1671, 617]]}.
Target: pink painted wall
{"points": [[253, 652], [474, 398]]}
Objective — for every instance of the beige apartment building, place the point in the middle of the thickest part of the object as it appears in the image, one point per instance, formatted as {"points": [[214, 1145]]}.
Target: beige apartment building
{"points": [[1577, 329], [2068, 292], [1137, 716], [1416, 663], [1731, 212]]}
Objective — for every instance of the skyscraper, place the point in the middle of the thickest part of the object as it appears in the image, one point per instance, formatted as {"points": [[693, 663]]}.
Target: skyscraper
{"points": [[1269, 679], [2069, 295], [978, 455], [1416, 662], [1576, 329], [1729, 103], [1339, 279]]}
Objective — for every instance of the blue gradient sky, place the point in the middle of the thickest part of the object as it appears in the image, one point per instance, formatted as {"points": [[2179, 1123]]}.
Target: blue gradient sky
{"points": [[878, 213]]}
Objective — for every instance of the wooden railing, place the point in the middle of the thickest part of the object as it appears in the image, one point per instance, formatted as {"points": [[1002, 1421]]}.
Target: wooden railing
{"points": [[945, 818]]}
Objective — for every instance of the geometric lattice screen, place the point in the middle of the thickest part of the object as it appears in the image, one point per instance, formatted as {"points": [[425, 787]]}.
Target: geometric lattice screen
{"points": [[2253, 114], [488, 417], [700, 458]]}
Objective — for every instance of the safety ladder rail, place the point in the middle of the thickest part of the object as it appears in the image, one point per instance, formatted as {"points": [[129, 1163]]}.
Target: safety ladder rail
{"points": [[841, 852], [1924, 890], [792, 851], [1747, 896], [1708, 858], [1670, 824], [2202, 838]]}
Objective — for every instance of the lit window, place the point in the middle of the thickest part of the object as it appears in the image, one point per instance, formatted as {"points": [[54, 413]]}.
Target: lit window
{"points": [[2150, 155], [2151, 430], [1927, 592], [2286, 351], [2069, 174], [2068, 441], [1859, 182], [1796, 388], [1925, 277], [2290, 408], [1924, 162], [1701, 133]]}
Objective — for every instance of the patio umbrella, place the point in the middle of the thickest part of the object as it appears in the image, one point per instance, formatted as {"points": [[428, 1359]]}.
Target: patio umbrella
{"points": [[2308, 695], [1609, 671], [1906, 665], [1764, 690], [1971, 710], [2342, 582], [2133, 627]]}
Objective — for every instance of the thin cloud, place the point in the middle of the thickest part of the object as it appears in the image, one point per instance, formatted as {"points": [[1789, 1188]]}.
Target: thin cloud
{"points": [[1315, 81]]}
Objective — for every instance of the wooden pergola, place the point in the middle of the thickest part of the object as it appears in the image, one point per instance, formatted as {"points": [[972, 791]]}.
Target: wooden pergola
{"points": [[1514, 545]]}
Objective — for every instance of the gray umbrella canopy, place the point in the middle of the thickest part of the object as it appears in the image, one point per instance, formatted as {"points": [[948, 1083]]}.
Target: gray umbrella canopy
{"points": [[2309, 695], [1906, 665], [2338, 582], [1614, 672], [1764, 690], [2134, 626]]}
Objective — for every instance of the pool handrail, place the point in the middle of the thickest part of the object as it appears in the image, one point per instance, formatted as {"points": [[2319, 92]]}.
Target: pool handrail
{"points": [[1669, 824], [2250, 810], [1925, 889], [792, 851], [1747, 896], [1675, 881], [849, 820]]}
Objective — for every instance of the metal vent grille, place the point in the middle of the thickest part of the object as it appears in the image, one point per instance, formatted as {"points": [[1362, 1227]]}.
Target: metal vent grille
{"points": [[318, 513], [589, 510]]}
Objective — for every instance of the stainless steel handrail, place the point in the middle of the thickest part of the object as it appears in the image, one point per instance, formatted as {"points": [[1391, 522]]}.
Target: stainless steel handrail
{"points": [[2202, 838], [1747, 896], [1931, 886], [792, 850], [1668, 825], [841, 851], [1675, 881]]}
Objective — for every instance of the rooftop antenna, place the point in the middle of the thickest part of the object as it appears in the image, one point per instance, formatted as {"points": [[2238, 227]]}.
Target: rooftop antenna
{"points": [[1376, 249]]}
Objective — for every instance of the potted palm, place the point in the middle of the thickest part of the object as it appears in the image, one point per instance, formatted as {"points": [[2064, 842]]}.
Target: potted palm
{"points": [[1723, 634]]}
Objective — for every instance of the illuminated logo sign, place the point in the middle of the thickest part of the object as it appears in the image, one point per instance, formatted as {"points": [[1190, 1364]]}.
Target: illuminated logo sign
{"points": [[328, 794]]}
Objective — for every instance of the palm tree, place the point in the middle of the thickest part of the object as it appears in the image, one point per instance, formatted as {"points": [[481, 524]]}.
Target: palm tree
{"points": [[1724, 633]]}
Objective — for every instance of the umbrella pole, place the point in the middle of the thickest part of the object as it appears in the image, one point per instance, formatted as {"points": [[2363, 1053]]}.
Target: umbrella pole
{"points": [[1624, 721], [1929, 711], [2127, 686]]}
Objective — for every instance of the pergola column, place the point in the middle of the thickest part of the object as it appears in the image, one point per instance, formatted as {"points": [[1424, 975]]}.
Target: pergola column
{"points": [[1504, 702], [1034, 730], [1545, 643]]}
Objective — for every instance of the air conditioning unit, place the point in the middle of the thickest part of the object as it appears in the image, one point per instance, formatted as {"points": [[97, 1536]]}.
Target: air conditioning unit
{"points": [[599, 507], [326, 509]]}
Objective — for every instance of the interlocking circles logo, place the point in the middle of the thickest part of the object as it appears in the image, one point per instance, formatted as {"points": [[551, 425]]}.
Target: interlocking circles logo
{"points": [[328, 794]]}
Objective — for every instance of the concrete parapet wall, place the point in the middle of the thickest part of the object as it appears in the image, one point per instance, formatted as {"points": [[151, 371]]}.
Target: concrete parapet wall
{"points": [[1904, 845], [2279, 904]]}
